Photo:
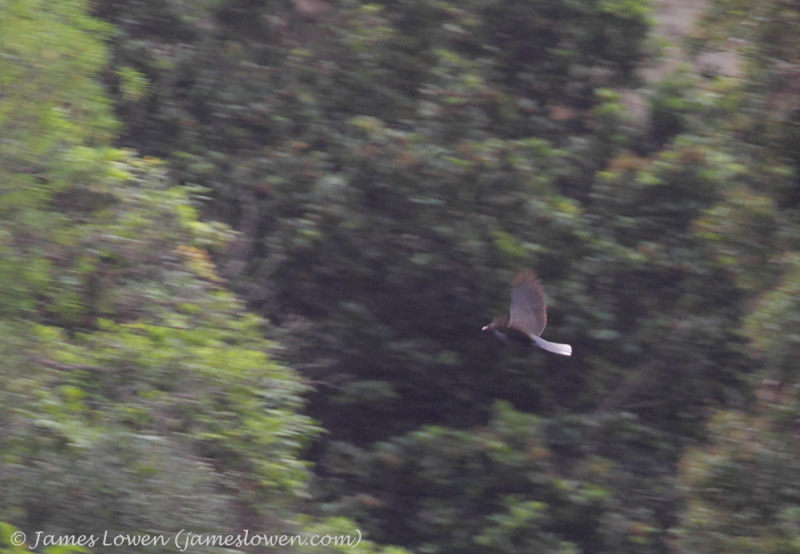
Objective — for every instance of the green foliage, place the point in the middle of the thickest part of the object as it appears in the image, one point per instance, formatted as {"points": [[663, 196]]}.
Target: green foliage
{"points": [[743, 234], [370, 157], [669, 106], [46, 117], [152, 386], [743, 488], [136, 394], [774, 316], [521, 482], [389, 166], [765, 37]]}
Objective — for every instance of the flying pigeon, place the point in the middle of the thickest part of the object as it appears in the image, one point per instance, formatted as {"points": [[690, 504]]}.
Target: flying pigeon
{"points": [[528, 316]]}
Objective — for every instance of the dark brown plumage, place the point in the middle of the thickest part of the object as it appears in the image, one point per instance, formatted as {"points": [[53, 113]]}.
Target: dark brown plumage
{"points": [[528, 316]]}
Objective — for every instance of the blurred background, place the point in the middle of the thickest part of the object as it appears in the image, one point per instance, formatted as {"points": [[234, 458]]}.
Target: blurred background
{"points": [[247, 248]]}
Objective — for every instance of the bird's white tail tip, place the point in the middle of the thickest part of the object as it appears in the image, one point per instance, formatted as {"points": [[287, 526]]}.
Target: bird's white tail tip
{"points": [[554, 347]]}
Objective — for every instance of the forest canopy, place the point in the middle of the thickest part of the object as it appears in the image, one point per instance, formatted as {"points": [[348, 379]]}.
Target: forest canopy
{"points": [[248, 247]]}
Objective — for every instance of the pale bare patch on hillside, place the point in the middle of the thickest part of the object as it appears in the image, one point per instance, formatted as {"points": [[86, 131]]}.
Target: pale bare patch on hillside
{"points": [[673, 22]]}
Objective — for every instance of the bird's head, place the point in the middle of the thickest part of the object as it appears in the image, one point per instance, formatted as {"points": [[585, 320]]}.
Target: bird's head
{"points": [[498, 324]]}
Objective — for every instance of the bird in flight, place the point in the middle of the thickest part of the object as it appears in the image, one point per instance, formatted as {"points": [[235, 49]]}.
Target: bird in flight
{"points": [[527, 317]]}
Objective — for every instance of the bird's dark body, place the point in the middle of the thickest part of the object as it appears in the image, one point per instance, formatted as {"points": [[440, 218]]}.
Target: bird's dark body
{"points": [[514, 337]]}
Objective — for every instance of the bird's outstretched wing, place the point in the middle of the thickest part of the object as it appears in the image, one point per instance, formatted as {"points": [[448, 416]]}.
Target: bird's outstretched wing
{"points": [[528, 305]]}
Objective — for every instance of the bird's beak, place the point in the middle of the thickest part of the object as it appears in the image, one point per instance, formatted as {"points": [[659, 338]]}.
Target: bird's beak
{"points": [[485, 328]]}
